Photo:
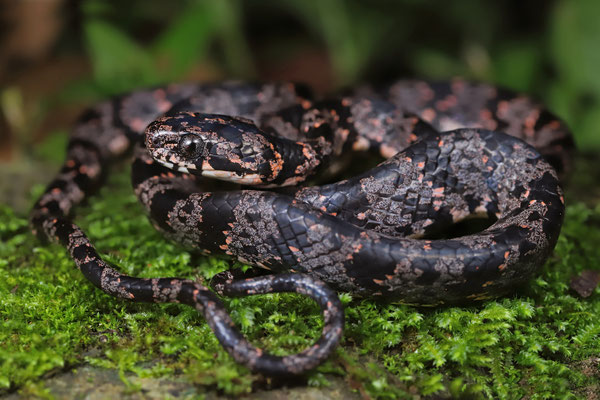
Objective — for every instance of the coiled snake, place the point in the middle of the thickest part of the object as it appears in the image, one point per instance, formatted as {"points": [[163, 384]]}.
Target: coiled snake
{"points": [[370, 235]]}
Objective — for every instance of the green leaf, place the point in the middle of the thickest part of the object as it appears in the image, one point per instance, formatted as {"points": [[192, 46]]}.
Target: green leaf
{"points": [[352, 33], [516, 66], [588, 137], [232, 40], [575, 35], [186, 39], [118, 62]]}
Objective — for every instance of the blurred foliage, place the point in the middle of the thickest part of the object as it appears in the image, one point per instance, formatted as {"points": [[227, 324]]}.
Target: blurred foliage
{"points": [[550, 49], [120, 63]]}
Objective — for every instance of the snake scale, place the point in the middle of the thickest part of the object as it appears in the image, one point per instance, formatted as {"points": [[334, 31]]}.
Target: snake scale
{"points": [[373, 234]]}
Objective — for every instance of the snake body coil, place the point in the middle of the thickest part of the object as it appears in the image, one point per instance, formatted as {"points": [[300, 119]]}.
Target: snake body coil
{"points": [[367, 235]]}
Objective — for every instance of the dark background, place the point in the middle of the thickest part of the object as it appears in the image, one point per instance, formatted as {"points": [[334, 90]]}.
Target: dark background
{"points": [[57, 56]]}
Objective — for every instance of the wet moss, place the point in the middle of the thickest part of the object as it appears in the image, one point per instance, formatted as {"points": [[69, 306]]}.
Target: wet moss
{"points": [[534, 343]]}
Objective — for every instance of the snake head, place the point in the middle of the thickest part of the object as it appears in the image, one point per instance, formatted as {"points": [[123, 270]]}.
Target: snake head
{"points": [[215, 146]]}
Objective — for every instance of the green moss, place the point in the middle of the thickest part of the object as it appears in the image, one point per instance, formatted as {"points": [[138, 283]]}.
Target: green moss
{"points": [[533, 343]]}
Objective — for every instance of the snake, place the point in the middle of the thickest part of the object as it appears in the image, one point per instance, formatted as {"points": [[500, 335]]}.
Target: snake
{"points": [[251, 171]]}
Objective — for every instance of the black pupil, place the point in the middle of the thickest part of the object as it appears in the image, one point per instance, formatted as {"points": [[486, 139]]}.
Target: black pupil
{"points": [[191, 145]]}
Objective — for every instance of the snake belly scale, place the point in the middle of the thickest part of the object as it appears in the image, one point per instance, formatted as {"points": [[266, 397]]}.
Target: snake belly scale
{"points": [[447, 160]]}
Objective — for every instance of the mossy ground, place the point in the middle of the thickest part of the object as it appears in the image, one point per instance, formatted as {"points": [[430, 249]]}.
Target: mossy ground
{"points": [[541, 342]]}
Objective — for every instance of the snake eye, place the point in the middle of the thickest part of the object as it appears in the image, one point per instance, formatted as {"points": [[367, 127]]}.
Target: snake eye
{"points": [[191, 146]]}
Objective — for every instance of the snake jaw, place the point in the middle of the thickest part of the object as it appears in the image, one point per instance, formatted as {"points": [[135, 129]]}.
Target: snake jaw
{"points": [[230, 176], [188, 169]]}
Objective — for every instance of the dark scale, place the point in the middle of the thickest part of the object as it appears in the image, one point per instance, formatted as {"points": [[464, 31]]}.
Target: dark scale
{"points": [[371, 235]]}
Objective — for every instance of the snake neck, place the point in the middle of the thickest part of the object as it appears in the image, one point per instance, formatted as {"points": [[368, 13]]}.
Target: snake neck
{"points": [[297, 160], [304, 141]]}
